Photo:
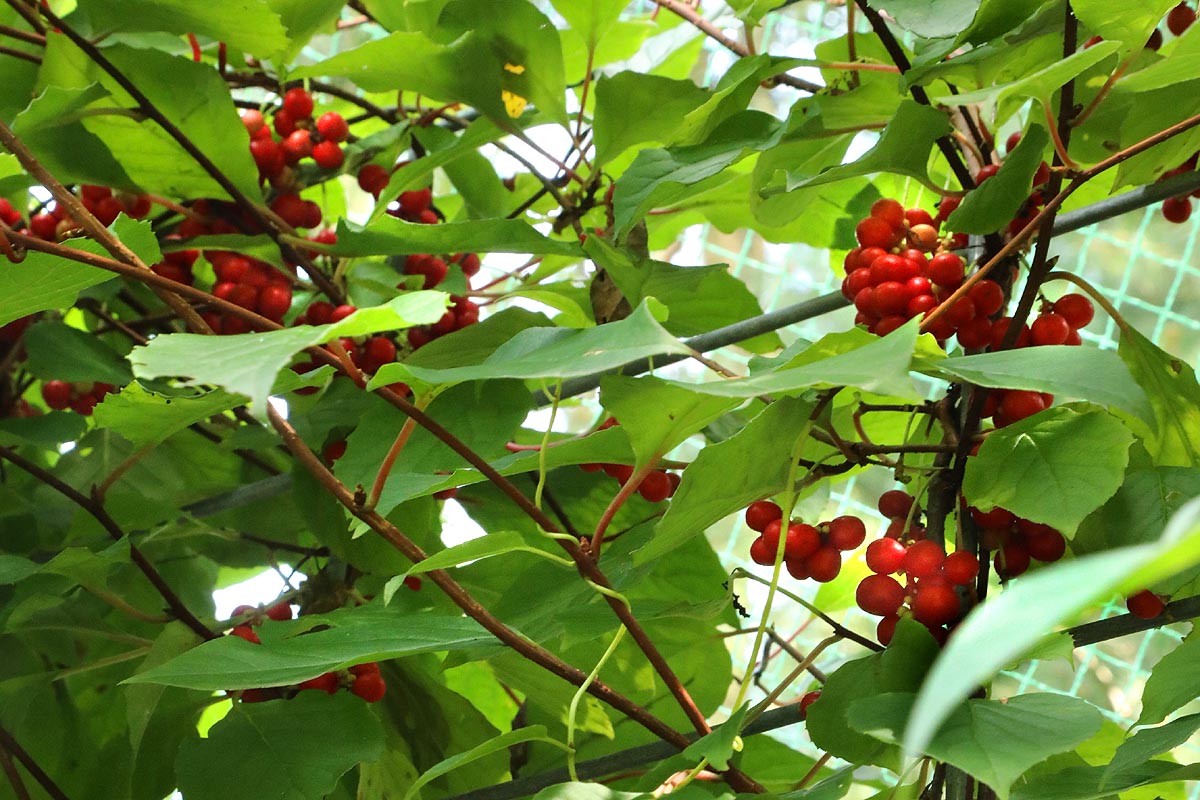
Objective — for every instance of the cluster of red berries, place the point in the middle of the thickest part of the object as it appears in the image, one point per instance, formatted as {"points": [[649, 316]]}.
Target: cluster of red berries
{"points": [[434, 269], [1179, 209], [250, 283], [1017, 541], [462, 312], [56, 224], [368, 353], [80, 396], [1146, 604], [928, 594], [657, 486], [809, 551], [299, 136], [891, 278], [364, 680]]}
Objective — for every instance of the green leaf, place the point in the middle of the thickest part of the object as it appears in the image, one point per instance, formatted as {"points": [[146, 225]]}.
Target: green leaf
{"points": [[1170, 384], [1081, 373], [247, 25], [248, 363], [43, 281], [302, 747], [144, 417], [533, 733], [729, 475], [50, 125], [1130, 23], [389, 236], [1031, 727], [591, 19], [1077, 461], [1035, 605], [657, 415], [44, 430], [633, 107], [1083, 783], [138, 236], [994, 203], [555, 353], [899, 668], [493, 544], [1172, 682], [58, 351], [1149, 742], [903, 148], [932, 19], [718, 746], [353, 637], [303, 18], [14, 569]]}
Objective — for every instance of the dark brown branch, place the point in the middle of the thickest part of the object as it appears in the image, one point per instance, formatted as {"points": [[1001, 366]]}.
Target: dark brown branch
{"points": [[45, 781], [13, 775], [1125, 624], [96, 510], [21, 54]]}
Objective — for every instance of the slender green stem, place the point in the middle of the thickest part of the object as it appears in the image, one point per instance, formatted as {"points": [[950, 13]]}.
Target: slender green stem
{"points": [[612, 648]]}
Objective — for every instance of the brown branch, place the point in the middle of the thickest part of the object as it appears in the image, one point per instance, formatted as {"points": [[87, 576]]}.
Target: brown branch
{"points": [[10, 745], [21, 54], [24, 36], [30, 16], [96, 510], [713, 32], [14, 777]]}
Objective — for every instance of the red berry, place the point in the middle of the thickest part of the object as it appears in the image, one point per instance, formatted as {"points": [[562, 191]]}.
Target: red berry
{"points": [[245, 632], [369, 687], [253, 120], [923, 560], [1049, 329], [771, 534], [366, 668], [380, 350], [895, 503], [373, 178], [1155, 41], [889, 211], [334, 451], [875, 232], [328, 155], [881, 595], [57, 394], [946, 269], [996, 518], [760, 553], [279, 612], [935, 604], [298, 103], [886, 629], [1145, 604], [760, 513], [1011, 560], [326, 682], [655, 487], [986, 172], [297, 145], [807, 701], [825, 564], [801, 542], [1076, 309], [975, 334], [1180, 18], [797, 568], [1010, 144], [1019, 404], [283, 122], [243, 609], [947, 206], [332, 127], [1046, 546], [1177, 209], [918, 216], [1000, 329], [960, 568], [847, 533], [885, 555], [274, 302]]}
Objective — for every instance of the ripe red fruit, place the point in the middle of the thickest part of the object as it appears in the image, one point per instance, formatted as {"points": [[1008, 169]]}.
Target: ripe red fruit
{"points": [[1076, 309], [895, 503], [975, 334], [279, 612], [283, 122], [885, 556], [923, 560], [57, 394], [416, 201], [1177, 209], [298, 103], [801, 542], [1011, 560], [380, 350], [332, 127], [960, 568], [771, 533], [825, 564], [886, 629], [1145, 604], [875, 232], [1019, 404], [326, 682], [297, 145], [807, 701], [253, 120], [366, 668], [761, 553], [847, 533], [274, 302], [1180, 18], [935, 604], [986, 172], [369, 687], [996, 518], [1049, 329], [881, 595], [328, 155], [946, 269], [245, 632], [918, 216], [1010, 144], [1046, 546], [889, 211], [373, 178], [655, 487]]}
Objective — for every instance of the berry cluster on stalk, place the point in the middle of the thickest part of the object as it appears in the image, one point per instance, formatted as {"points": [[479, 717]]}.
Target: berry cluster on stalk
{"points": [[809, 551], [657, 486], [82, 397], [1016, 542]]}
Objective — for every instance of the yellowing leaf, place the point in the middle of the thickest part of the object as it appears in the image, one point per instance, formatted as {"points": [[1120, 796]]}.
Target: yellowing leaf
{"points": [[514, 104]]}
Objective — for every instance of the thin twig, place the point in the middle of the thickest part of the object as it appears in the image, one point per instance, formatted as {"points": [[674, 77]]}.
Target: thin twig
{"points": [[45, 781]]}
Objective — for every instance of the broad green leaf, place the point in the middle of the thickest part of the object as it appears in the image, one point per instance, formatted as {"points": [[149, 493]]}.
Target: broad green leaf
{"points": [[58, 351], [1130, 23], [1035, 605], [248, 363], [1000, 16], [633, 107], [1083, 783], [1032, 728], [932, 19], [1080, 373], [879, 365], [657, 416], [145, 417], [354, 636], [14, 569], [1147, 743], [1077, 461], [51, 127], [1144, 114], [729, 475], [1042, 84], [301, 748], [718, 746], [1171, 387], [899, 668], [304, 18], [533, 733], [389, 236], [246, 25], [44, 430], [43, 281], [591, 19], [555, 353], [903, 148], [994, 203], [1172, 682], [138, 236]]}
